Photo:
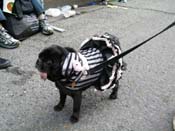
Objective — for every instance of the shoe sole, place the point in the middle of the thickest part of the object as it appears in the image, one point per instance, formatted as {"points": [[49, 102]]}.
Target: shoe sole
{"points": [[5, 66], [46, 33], [8, 47]]}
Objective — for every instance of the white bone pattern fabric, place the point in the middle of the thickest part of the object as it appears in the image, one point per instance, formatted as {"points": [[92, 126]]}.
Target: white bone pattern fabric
{"points": [[76, 65]]}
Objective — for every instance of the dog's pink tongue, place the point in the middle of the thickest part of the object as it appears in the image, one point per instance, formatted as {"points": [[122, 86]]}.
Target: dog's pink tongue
{"points": [[43, 75]]}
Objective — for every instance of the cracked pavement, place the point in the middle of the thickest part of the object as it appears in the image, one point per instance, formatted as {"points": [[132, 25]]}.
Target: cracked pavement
{"points": [[146, 96]]}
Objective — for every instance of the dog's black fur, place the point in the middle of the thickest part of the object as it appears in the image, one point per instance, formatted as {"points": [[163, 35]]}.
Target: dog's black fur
{"points": [[50, 61]]}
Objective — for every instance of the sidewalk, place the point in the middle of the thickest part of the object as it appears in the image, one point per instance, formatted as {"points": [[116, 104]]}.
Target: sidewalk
{"points": [[56, 3], [146, 96]]}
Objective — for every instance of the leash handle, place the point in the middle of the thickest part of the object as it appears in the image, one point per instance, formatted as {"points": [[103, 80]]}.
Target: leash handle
{"points": [[128, 51]]}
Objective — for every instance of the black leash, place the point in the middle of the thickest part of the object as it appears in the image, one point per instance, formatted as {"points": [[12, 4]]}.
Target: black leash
{"points": [[127, 51]]}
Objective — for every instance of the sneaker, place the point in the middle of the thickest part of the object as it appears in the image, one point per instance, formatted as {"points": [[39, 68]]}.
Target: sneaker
{"points": [[7, 41], [104, 2], [46, 29], [124, 1], [4, 63]]}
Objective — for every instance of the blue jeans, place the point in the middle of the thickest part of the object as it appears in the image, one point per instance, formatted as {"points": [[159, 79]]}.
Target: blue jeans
{"points": [[39, 9], [2, 17], [38, 6]]}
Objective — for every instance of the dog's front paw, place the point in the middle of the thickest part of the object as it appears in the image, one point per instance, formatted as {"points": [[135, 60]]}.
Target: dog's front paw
{"points": [[58, 107], [74, 119]]}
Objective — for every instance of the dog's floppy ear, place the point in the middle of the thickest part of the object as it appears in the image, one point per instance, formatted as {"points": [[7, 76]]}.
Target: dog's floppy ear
{"points": [[59, 49], [70, 49], [58, 52], [53, 52]]}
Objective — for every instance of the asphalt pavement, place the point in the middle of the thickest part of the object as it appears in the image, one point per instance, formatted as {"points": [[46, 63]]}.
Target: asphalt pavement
{"points": [[146, 98]]}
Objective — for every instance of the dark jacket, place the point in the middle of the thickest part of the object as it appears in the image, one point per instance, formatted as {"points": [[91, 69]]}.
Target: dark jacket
{"points": [[0, 4]]}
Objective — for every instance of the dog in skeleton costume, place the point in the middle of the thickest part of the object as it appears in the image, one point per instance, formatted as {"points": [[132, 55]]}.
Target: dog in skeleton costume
{"points": [[70, 69]]}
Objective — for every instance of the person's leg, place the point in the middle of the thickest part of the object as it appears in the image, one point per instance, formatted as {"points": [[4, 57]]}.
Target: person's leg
{"points": [[2, 17], [4, 63], [6, 41], [39, 9]]}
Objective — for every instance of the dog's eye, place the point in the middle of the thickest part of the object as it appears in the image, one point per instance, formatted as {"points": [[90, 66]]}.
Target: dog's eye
{"points": [[49, 62]]}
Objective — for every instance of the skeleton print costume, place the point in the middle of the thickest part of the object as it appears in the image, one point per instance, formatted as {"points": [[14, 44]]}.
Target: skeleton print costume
{"points": [[93, 52]]}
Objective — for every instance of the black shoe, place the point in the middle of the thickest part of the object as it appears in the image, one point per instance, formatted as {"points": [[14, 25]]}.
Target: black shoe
{"points": [[46, 29], [4, 63], [7, 41]]}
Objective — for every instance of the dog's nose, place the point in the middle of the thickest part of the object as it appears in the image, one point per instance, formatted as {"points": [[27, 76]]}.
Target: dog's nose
{"points": [[43, 75]]}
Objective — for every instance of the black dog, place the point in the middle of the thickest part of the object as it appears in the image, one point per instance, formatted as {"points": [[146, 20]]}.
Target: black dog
{"points": [[69, 69]]}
